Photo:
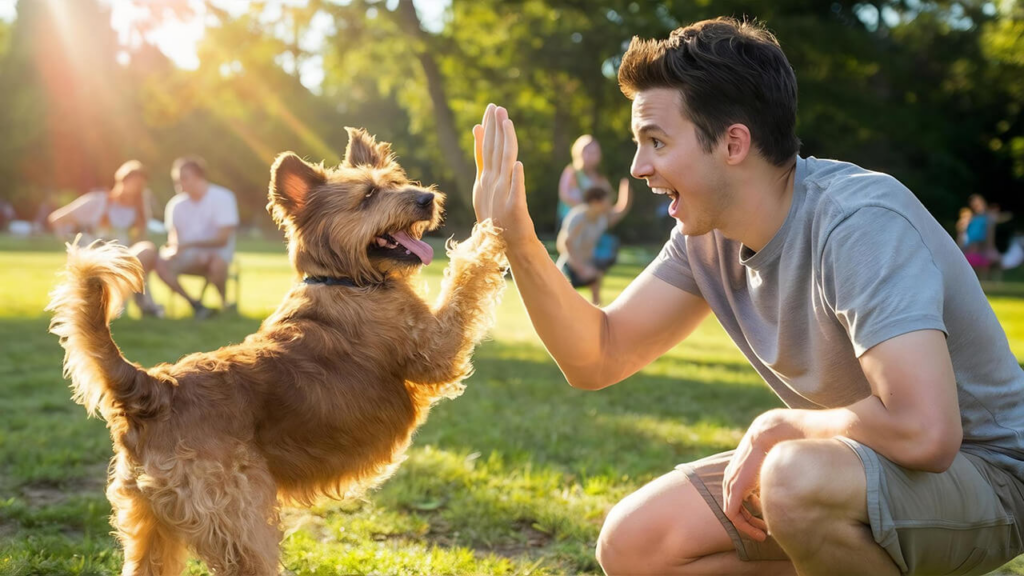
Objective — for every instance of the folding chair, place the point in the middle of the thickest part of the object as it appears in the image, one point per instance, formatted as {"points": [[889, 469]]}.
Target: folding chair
{"points": [[234, 275]]}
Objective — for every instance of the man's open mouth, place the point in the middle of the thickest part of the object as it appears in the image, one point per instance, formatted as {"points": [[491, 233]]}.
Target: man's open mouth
{"points": [[402, 245], [667, 192], [673, 208]]}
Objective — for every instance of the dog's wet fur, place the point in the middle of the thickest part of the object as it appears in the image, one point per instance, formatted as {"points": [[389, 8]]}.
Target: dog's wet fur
{"points": [[321, 401]]}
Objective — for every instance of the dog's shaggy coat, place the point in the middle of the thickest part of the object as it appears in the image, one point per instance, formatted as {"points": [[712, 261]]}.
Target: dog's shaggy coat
{"points": [[322, 400]]}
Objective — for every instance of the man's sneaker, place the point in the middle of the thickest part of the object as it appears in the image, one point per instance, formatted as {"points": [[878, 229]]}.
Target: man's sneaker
{"points": [[202, 312], [154, 310]]}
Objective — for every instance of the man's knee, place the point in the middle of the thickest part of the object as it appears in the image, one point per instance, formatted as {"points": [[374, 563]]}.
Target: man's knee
{"points": [[162, 267], [623, 540], [629, 544], [166, 270], [146, 252], [660, 528], [798, 487], [216, 266]]}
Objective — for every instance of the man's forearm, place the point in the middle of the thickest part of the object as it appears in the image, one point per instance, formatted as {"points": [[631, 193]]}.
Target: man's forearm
{"points": [[572, 329], [902, 439]]}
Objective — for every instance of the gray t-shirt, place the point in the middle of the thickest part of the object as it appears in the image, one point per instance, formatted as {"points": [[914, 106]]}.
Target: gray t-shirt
{"points": [[858, 260]]}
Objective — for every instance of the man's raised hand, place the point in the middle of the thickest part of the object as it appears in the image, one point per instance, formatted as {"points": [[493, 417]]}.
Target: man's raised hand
{"points": [[499, 192]]}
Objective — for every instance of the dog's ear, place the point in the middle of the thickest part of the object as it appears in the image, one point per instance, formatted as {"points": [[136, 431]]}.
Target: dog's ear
{"points": [[364, 150], [291, 179]]}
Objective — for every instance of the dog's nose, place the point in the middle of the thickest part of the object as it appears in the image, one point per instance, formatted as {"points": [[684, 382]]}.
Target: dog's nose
{"points": [[424, 198]]}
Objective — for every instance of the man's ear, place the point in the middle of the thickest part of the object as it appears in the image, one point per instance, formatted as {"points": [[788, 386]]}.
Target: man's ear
{"points": [[363, 150], [291, 179], [738, 142]]}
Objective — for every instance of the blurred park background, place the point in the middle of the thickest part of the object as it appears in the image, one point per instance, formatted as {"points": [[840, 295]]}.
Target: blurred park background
{"points": [[929, 91], [515, 476]]}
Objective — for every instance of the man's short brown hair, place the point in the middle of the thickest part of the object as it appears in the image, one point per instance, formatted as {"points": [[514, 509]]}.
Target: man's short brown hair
{"points": [[194, 164], [727, 72]]}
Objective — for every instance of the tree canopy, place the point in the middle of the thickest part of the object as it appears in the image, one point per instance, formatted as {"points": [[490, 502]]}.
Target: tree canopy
{"points": [[929, 91]]}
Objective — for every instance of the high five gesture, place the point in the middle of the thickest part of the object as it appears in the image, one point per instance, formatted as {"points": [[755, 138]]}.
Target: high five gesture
{"points": [[499, 192]]}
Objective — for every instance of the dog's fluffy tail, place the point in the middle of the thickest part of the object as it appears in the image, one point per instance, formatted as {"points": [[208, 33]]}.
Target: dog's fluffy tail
{"points": [[92, 291]]}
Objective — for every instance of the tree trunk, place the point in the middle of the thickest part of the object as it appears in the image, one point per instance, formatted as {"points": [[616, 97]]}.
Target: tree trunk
{"points": [[447, 133], [560, 142]]}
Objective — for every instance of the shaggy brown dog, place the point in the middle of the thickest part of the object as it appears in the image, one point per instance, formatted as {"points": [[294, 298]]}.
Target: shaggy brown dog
{"points": [[322, 400]]}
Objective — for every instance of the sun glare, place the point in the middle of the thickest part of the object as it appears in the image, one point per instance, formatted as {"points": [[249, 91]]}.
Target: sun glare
{"points": [[136, 23], [64, 26], [178, 40]]}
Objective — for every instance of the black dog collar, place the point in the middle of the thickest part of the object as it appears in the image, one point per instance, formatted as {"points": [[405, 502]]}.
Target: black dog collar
{"points": [[330, 281]]}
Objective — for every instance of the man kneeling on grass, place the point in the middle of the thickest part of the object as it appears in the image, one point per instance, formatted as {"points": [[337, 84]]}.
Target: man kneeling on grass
{"points": [[901, 450]]}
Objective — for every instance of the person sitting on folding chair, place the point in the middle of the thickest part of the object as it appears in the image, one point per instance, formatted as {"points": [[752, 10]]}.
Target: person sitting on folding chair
{"points": [[201, 220]]}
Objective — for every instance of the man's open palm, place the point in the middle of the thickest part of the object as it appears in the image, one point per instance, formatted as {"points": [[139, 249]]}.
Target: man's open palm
{"points": [[499, 192]]}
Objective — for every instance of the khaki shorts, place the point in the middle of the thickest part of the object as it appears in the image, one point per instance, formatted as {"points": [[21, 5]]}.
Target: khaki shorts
{"points": [[195, 260], [961, 521]]}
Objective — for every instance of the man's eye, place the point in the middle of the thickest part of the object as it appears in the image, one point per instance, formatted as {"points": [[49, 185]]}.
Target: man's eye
{"points": [[657, 143]]}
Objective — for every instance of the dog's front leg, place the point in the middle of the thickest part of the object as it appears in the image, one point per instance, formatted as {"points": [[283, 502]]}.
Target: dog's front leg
{"points": [[472, 287]]}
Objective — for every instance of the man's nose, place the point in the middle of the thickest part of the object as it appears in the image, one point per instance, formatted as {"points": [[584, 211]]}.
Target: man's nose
{"points": [[640, 168], [424, 198]]}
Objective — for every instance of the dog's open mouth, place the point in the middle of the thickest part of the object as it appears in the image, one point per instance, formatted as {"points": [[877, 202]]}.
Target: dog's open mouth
{"points": [[402, 245]]}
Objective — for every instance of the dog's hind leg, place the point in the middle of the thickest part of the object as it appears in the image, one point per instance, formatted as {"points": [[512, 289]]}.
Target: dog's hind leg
{"points": [[237, 532], [150, 548], [470, 292]]}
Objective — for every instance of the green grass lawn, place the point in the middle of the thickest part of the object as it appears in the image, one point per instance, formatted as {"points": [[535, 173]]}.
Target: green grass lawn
{"points": [[514, 477]]}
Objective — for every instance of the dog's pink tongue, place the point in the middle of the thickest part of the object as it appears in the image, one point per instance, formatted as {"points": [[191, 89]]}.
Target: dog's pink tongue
{"points": [[417, 247]]}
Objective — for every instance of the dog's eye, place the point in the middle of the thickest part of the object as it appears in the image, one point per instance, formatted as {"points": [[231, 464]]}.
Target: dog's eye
{"points": [[371, 193]]}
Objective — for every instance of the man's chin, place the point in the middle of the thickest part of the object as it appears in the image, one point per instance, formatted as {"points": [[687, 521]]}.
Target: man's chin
{"points": [[692, 229]]}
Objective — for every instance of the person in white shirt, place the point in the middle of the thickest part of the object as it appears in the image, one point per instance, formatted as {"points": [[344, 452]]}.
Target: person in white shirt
{"points": [[201, 220], [121, 213]]}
